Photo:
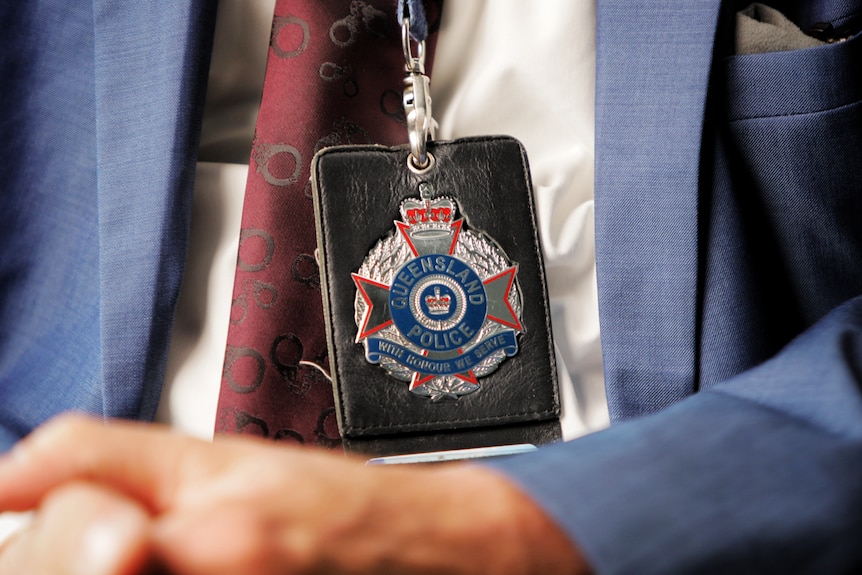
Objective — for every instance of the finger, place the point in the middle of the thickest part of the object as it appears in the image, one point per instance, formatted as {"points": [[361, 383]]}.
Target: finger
{"points": [[81, 529], [144, 462], [235, 540]]}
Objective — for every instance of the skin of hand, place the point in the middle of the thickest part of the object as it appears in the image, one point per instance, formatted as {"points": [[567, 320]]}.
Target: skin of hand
{"points": [[132, 495], [81, 529]]}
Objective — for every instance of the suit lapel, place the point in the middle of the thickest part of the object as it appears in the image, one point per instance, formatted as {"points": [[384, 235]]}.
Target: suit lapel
{"points": [[151, 61], [653, 63]]}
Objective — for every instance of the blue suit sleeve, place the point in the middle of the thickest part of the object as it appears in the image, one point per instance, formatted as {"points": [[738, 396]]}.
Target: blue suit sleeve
{"points": [[761, 474]]}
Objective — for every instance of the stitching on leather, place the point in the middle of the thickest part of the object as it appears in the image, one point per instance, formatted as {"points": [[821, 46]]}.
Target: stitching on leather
{"points": [[525, 169], [333, 350], [425, 424]]}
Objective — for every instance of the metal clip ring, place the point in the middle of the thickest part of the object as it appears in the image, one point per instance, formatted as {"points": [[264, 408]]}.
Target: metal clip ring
{"points": [[417, 63]]}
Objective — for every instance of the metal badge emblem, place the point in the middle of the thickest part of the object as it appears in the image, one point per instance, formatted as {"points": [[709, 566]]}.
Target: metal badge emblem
{"points": [[437, 304]]}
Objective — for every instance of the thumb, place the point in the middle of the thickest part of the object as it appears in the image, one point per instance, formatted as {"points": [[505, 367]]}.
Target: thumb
{"points": [[81, 529]]}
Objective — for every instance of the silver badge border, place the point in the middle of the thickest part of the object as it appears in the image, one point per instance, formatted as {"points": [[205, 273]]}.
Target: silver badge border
{"points": [[478, 251]]}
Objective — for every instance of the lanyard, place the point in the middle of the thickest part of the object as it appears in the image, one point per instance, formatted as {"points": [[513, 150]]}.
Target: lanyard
{"points": [[414, 12]]}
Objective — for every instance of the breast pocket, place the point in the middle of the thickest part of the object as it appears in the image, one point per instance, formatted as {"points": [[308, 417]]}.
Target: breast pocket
{"points": [[794, 134]]}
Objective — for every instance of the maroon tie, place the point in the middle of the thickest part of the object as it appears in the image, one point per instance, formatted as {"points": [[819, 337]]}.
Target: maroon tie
{"points": [[334, 76]]}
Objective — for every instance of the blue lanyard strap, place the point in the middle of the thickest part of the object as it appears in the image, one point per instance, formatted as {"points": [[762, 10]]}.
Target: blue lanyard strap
{"points": [[415, 13]]}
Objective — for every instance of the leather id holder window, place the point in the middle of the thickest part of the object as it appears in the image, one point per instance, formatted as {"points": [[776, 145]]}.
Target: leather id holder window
{"points": [[435, 298]]}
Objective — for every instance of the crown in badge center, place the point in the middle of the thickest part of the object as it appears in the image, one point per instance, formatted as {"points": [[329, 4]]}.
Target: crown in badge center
{"points": [[438, 304]]}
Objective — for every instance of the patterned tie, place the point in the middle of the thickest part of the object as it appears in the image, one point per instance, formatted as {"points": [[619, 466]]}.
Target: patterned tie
{"points": [[334, 76]]}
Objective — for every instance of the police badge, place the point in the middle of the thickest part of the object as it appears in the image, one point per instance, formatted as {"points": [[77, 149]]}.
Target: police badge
{"points": [[434, 291], [437, 304]]}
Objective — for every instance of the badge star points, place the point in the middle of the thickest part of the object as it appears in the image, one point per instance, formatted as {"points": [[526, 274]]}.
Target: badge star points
{"points": [[499, 308], [376, 315]]}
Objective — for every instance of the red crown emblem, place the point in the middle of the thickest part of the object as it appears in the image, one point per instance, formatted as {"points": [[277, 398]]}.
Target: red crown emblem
{"points": [[427, 217], [438, 304]]}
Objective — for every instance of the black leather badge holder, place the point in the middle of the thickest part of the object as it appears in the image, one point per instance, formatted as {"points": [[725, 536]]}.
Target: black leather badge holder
{"points": [[435, 298]]}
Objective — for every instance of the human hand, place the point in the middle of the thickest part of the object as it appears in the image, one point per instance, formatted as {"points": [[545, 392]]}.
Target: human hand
{"points": [[243, 506], [81, 529]]}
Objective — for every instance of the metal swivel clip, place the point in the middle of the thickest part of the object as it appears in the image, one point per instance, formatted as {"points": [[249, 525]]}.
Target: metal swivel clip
{"points": [[417, 103]]}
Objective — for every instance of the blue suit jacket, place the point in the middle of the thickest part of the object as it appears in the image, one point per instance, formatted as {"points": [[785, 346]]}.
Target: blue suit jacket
{"points": [[100, 107], [727, 200]]}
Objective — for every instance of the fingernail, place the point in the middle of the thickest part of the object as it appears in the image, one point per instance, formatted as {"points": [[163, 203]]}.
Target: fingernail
{"points": [[100, 549], [106, 545]]}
